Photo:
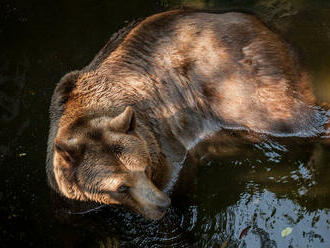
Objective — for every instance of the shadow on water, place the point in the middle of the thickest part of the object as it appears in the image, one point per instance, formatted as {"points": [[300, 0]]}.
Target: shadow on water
{"points": [[230, 193]]}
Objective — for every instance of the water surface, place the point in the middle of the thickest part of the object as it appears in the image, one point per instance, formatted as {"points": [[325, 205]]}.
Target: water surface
{"points": [[230, 194]]}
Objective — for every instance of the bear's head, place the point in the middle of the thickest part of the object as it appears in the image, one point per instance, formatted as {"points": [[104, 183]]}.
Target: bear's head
{"points": [[103, 159]]}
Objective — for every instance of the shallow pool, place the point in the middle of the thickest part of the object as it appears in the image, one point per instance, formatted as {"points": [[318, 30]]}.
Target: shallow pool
{"points": [[229, 194]]}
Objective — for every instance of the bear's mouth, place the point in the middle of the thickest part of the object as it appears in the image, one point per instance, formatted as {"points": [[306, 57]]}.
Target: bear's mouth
{"points": [[148, 199], [155, 213], [152, 211]]}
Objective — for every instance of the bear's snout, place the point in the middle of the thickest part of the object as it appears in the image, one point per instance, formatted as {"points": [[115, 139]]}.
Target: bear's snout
{"points": [[153, 203], [164, 204]]}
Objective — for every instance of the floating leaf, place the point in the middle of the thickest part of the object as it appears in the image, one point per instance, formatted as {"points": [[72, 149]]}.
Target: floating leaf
{"points": [[244, 232], [286, 231]]}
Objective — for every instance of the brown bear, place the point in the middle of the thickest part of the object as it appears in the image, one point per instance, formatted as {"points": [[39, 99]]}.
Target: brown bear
{"points": [[121, 126]]}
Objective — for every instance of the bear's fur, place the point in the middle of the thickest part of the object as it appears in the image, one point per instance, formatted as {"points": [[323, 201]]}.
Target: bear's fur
{"points": [[121, 126]]}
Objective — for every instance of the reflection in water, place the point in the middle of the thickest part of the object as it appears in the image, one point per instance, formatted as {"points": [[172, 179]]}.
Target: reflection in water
{"points": [[270, 150], [276, 187], [267, 216]]}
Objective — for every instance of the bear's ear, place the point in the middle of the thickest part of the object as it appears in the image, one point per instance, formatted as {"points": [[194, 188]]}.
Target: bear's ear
{"points": [[125, 122], [68, 150]]}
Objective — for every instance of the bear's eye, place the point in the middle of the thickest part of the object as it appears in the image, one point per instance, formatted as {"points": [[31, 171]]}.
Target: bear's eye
{"points": [[123, 189], [117, 149], [147, 171]]}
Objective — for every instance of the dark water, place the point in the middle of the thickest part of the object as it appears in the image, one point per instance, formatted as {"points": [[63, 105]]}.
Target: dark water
{"points": [[229, 195]]}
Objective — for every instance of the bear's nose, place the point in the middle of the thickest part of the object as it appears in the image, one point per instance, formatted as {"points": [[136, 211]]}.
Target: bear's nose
{"points": [[164, 204]]}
